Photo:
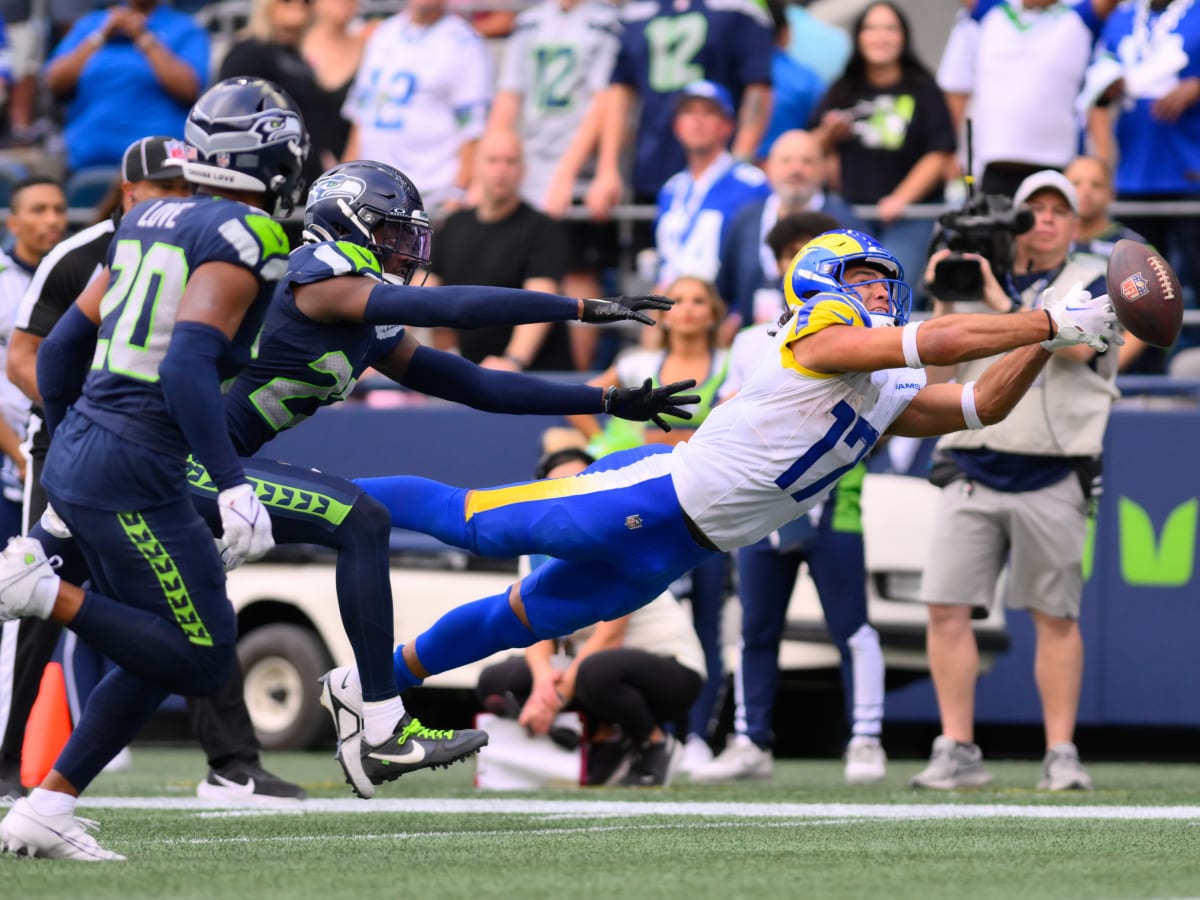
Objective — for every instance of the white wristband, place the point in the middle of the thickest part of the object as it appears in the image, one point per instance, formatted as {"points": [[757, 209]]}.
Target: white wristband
{"points": [[908, 341], [968, 407]]}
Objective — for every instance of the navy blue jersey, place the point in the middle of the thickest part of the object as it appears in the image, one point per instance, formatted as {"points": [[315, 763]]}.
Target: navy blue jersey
{"points": [[667, 44], [156, 248], [303, 365]]}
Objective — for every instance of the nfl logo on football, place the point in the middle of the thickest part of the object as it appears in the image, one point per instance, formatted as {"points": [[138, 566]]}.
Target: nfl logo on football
{"points": [[1135, 287]]}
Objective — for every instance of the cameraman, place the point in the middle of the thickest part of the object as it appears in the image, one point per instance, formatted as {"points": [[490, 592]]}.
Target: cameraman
{"points": [[1020, 490]]}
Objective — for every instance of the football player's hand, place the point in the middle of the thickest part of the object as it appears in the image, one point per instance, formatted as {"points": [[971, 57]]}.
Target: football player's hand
{"points": [[229, 562], [617, 309], [1080, 319], [246, 527], [53, 523], [648, 403]]}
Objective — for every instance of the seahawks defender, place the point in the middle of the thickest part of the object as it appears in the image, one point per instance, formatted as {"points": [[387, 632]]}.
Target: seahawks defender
{"points": [[628, 526], [190, 282], [338, 311]]}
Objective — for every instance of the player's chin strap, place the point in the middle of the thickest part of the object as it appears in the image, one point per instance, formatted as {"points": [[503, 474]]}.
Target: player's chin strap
{"points": [[882, 320]]}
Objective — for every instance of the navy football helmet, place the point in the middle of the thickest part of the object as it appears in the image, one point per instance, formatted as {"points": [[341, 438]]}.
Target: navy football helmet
{"points": [[822, 262], [247, 134], [375, 206]]}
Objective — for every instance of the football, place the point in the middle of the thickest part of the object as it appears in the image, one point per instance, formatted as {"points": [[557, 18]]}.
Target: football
{"points": [[1145, 293]]}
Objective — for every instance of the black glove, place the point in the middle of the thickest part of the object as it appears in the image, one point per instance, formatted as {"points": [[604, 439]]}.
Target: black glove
{"points": [[647, 403], [616, 309]]}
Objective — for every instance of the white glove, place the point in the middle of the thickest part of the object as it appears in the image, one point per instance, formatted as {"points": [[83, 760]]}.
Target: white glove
{"points": [[53, 523], [1081, 319], [229, 562], [246, 527]]}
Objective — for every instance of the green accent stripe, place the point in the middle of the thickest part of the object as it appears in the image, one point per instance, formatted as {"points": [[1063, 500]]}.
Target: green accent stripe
{"points": [[847, 501], [278, 496], [168, 576]]}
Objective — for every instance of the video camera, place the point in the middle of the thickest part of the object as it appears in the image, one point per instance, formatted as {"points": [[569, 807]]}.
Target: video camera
{"points": [[986, 224]]}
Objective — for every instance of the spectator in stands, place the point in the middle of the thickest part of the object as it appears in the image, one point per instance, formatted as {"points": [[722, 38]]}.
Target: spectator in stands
{"points": [[795, 169], [817, 43], [544, 99], [629, 677], [697, 205], [1098, 233], [728, 43], [125, 71], [689, 351], [887, 125], [504, 242], [1148, 69], [1019, 490], [1020, 65], [269, 47], [830, 541], [420, 100], [24, 37], [37, 220], [333, 47], [796, 87]]}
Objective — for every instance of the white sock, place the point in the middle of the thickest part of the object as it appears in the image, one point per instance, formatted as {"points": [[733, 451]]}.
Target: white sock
{"points": [[45, 592], [866, 663], [380, 718], [52, 803]]}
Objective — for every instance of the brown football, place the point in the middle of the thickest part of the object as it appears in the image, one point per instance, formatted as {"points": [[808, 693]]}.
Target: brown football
{"points": [[1145, 293]]}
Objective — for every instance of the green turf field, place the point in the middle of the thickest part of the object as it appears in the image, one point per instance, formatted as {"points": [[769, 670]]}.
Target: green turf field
{"points": [[432, 836]]}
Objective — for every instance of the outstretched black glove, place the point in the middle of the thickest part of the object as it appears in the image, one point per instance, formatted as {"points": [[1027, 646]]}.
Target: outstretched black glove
{"points": [[616, 309], [647, 403]]}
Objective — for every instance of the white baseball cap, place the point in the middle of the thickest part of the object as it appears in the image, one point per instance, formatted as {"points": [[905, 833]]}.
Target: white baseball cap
{"points": [[1047, 179]]}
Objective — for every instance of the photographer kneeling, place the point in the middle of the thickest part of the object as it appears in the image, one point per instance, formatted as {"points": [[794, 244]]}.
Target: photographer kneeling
{"points": [[1019, 491]]}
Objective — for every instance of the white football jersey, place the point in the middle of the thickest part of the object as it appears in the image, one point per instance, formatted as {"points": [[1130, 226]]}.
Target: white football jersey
{"points": [[557, 60], [14, 405], [420, 94], [778, 447]]}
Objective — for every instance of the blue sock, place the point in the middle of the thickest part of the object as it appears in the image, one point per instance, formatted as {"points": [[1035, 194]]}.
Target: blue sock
{"points": [[465, 635], [364, 592], [115, 713]]}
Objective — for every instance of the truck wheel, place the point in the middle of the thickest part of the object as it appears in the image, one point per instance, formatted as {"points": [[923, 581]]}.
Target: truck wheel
{"points": [[281, 665]]}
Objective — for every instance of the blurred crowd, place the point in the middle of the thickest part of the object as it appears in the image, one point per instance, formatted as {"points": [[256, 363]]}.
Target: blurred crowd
{"points": [[591, 147]]}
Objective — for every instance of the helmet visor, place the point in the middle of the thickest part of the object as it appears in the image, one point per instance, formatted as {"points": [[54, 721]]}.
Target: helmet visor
{"points": [[402, 246]]}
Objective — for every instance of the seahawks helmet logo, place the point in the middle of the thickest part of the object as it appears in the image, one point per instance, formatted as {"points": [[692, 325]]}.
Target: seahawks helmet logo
{"points": [[346, 186]]}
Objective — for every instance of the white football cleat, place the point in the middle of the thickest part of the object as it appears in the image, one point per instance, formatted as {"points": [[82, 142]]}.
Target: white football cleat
{"points": [[26, 832], [22, 564], [866, 762]]}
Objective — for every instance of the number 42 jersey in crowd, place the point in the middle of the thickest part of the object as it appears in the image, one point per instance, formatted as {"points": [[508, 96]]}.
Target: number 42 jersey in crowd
{"points": [[157, 248], [758, 463]]}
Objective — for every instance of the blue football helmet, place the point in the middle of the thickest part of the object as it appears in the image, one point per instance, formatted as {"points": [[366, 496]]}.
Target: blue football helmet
{"points": [[821, 263], [247, 134], [375, 206]]}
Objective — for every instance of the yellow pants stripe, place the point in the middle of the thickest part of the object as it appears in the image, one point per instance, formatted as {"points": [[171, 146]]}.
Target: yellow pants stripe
{"points": [[483, 501]]}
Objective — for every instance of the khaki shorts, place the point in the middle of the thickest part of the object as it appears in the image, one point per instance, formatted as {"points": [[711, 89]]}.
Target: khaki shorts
{"points": [[1039, 534]]}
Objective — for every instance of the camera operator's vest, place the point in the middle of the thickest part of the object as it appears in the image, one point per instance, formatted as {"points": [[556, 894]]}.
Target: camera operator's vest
{"points": [[1065, 411]]}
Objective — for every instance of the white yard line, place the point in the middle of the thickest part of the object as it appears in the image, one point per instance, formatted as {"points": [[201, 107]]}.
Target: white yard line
{"points": [[577, 809]]}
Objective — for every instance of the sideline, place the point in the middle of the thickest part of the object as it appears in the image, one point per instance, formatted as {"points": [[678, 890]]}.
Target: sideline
{"points": [[574, 809]]}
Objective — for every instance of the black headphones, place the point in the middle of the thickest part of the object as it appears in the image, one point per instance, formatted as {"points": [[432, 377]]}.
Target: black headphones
{"points": [[551, 461]]}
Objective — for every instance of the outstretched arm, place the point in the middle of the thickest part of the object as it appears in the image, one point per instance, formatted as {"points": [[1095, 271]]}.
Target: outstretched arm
{"points": [[942, 408], [451, 377], [350, 299]]}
